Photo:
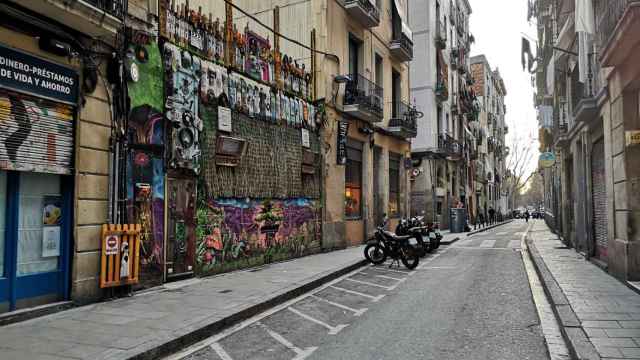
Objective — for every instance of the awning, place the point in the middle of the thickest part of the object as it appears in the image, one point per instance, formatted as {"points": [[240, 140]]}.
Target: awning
{"points": [[551, 75], [567, 34], [406, 30]]}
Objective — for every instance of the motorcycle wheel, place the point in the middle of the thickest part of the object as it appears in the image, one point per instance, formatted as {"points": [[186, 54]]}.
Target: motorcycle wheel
{"points": [[409, 258], [375, 254]]}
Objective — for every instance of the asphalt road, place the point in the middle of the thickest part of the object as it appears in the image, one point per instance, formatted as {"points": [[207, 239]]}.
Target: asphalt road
{"points": [[470, 300]]}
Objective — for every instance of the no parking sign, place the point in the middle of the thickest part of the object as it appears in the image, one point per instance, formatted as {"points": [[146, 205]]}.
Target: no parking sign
{"points": [[111, 244]]}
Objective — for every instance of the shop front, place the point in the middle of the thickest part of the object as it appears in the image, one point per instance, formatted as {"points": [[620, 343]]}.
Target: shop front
{"points": [[38, 99]]}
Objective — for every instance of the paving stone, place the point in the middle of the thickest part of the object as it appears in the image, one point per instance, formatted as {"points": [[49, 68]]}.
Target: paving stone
{"points": [[613, 342], [601, 324]]}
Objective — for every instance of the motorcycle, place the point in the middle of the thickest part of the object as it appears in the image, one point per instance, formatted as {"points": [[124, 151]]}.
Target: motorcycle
{"points": [[416, 228], [397, 247], [433, 229]]}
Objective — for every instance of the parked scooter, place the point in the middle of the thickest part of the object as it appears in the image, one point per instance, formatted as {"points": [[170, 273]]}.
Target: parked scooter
{"points": [[397, 247], [433, 229]]}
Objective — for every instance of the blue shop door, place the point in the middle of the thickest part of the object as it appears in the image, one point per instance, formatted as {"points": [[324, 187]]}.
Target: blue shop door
{"points": [[35, 216]]}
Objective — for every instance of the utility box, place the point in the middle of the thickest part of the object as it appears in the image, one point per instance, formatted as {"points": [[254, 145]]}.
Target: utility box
{"points": [[457, 219], [120, 260]]}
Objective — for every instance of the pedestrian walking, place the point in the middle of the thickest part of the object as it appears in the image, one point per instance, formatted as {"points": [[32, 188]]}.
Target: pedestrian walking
{"points": [[526, 216], [492, 215], [482, 220]]}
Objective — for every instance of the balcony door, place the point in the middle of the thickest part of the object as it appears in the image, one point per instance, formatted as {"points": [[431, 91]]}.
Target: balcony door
{"points": [[354, 56], [396, 93]]}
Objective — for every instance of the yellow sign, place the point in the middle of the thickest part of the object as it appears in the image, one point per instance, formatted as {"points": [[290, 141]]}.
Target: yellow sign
{"points": [[633, 137], [547, 160]]}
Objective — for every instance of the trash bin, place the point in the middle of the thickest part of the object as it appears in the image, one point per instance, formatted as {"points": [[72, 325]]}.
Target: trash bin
{"points": [[457, 220]]}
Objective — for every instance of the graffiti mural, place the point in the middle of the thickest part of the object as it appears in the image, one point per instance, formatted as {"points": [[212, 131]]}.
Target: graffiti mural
{"points": [[145, 161], [233, 233]]}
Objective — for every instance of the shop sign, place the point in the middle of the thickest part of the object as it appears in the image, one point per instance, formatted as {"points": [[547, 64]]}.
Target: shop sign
{"points": [[343, 129], [111, 245], [29, 74], [633, 137], [547, 160]]}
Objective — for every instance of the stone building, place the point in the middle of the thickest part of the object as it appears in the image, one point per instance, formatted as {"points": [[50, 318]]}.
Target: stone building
{"points": [[440, 85], [587, 98]]}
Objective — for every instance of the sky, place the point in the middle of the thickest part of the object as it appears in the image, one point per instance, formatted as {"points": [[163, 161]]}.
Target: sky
{"points": [[497, 26]]}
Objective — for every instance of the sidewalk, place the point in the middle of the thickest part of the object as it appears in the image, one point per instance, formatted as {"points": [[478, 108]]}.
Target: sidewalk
{"points": [[149, 324], [599, 316]]}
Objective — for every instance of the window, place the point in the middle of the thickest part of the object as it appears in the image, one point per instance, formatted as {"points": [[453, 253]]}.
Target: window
{"points": [[353, 180], [395, 92], [379, 70], [394, 184], [354, 56]]}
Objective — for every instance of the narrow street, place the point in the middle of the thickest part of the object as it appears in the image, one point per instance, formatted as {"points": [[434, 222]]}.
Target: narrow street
{"points": [[470, 300]]}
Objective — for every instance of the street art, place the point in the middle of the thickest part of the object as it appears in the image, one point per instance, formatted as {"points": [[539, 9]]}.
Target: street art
{"points": [[236, 233], [145, 161]]}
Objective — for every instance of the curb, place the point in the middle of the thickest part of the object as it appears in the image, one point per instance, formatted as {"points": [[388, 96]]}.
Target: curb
{"points": [[573, 334], [208, 330], [32, 313], [489, 227], [450, 241]]}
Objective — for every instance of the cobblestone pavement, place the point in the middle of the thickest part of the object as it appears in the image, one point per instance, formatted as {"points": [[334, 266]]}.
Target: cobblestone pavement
{"points": [[607, 310]]}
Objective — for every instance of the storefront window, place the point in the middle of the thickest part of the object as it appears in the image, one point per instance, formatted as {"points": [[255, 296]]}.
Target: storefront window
{"points": [[353, 180], [3, 215], [394, 184], [40, 208]]}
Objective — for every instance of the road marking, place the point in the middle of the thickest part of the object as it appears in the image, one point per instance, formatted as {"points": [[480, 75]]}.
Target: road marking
{"points": [[376, 267], [501, 233], [514, 244], [333, 330], [373, 298], [300, 354], [391, 278], [370, 284], [488, 244], [440, 267], [220, 351], [356, 312]]}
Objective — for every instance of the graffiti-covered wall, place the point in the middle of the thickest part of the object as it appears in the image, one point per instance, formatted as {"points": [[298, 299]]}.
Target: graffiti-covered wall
{"points": [[234, 233]]}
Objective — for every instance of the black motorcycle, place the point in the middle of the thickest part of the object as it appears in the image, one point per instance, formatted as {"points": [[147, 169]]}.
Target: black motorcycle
{"points": [[417, 229], [397, 247]]}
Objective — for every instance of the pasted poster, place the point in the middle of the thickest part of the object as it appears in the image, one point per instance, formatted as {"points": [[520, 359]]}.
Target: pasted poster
{"points": [[51, 222], [236, 233]]}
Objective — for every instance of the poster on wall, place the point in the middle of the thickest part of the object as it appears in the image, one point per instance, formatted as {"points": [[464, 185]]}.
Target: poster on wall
{"points": [[306, 142], [50, 241], [224, 119]]}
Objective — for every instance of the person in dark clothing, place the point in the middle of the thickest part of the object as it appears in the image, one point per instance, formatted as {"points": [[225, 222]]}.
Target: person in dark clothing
{"points": [[526, 216], [492, 216], [481, 220]]}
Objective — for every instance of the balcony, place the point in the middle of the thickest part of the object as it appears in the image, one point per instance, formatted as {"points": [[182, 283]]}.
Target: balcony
{"points": [[403, 120], [401, 47], [450, 147], [618, 23], [97, 18], [363, 99], [583, 96], [442, 92], [441, 35], [366, 13]]}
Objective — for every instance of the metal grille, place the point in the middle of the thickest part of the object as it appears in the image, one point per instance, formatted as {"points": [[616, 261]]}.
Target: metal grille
{"points": [[37, 135]]}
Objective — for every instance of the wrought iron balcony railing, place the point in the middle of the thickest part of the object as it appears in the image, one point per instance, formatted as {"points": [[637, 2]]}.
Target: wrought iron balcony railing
{"points": [[609, 14], [367, 13], [583, 94], [401, 47], [363, 98], [403, 119], [113, 7], [449, 145]]}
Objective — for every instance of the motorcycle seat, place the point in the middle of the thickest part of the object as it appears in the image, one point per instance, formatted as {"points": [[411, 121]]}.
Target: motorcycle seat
{"points": [[397, 237]]}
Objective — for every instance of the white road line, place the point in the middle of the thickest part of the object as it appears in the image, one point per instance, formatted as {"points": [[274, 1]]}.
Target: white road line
{"points": [[501, 233], [391, 278], [300, 354], [440, 267], [488, 244], [333, 330], [373, 298], [514, 244], [375, 267], [220, 351], [356, 312], [369, 284]]}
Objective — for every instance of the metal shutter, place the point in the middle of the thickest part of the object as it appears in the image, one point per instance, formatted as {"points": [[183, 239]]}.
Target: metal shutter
{"points": [[599, 200], [35, 134]]}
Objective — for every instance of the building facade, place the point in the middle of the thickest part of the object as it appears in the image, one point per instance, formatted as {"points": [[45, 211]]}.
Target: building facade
{"points": [[231, 147], [587, 98], [441, 87]]}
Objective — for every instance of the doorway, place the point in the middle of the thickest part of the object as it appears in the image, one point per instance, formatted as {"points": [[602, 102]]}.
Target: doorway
{"points": [[181, 228]]}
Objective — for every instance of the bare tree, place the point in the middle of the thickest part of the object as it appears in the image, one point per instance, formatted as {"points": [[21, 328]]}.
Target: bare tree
{"points": [[520, 155]]}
